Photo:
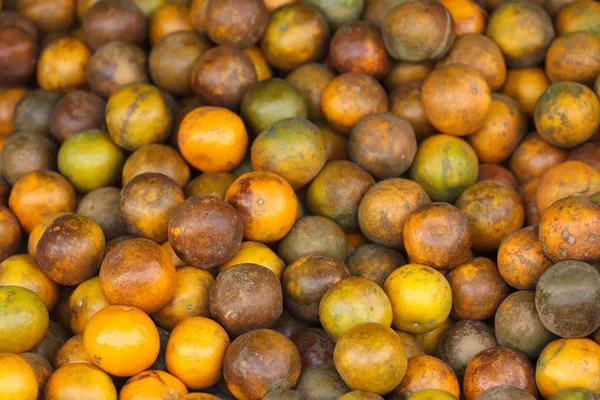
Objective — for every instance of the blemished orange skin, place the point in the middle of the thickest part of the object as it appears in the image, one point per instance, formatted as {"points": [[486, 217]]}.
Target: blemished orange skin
{"points": [[406, 102], [502, 130], [477, 289], [360, 395], [48, 15], [23, 270], [121, 340], [405, 71], [17, 378], [495, 367], [566, 179], [192, 287], [456, 99], [526, 85], [61, 312], [336, 144], [351, 96], [370, 357], [467, 15], [386, 207], [149, 122], [521, 259], [498, 173], [256, 253], [199, 396], [80, 381], [9, 98], [62, 66], [252, 194], [71, 352], [263, 70], [480, 52], [427, 372], [355, 240], [579, 110], [195, 352], [198, 14], [574, 57], [430, 341], [39, 193], [494, 210], [85, 302], [528, 193], [412, 346], [567, 363], [580, 15], [310, 80], [352, 302], [39, 229], [152, 385], [157, 158], [41, 367], [209, 184], [138, 273], [533, 157], [274, 4], [570, 230], [212, 139], [438, 235], [168, 19], [166, 246]]}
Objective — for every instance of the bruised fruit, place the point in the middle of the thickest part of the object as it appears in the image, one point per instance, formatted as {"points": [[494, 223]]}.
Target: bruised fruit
{"points": [[26, 152], [157, 158], [374, 262], [310, 80], [75, 112], [577, 16], [313, 234], [533, 157], [498, 173], [426, 372], [505, 392], [111, 20], [339, 12], [151, 383], [406, 71], [574, 57], [168, 19], [53, 340], [431, 340], [406, 102], [34, 110], [314, 347], [577, 393], [236, 23], [102, 205], [320, 381]]}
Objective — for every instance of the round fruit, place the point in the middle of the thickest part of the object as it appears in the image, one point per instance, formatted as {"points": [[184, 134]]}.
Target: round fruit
{"points": [[570, 230], [526, 85], [418, 31], [169, 18], [9, 98], [256, 253], [246, 297], [498, 173], [10, 233], [293, 148], [26, 152], [510, 23], [23, 270], [195, 352], [494, 211], [258, 361], [210, 184], [339, 12], [71, 352], [432, 394], [310, 80], [577, 16], [81, 381], [463, 341], [352, 302], [76, 112], [41, 367], [190, 299], [255, 192], [62, 65], [567, 299], [205, 231], [321, 381], [157, 158], [579, 109], [496, 367], [533, 157], [19, 54], [85, 301], [405, 102], [235, 23], [23, 319], [374, 262], [212, 76], [121, 340], [314, 347], [17, 378], [574, 393], [370, 357], [53, 340], [568, 363], [34, 111], [521, 260], [152, 383], [296, 34], [444, 166], [456, 99], [306, 280], [519, 327], [467, 15], [430, 340], [113, 20], [505, 392], [351, 96], [288, 326], [427, 372], [574, 57], [528, 193], [102, 205], [588, 153], [261, 65], [71, 249]]}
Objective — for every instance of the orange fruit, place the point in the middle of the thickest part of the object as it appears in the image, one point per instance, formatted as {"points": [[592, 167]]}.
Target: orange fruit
{"points": [[23, 270], [152, 385], [85, 301], [80, 381], [17, 378]]}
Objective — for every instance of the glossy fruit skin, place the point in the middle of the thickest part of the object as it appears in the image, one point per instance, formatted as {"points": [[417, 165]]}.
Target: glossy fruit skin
{"points": [[526, 85], [71, 352], [9, 98], [370, 357], [62, 65], [212, 139], [427, 372], [24, 319], [421, 298], [82, 381], [579, 108], [152, 383], [272, 193], [158, 158], [314, 347], [10, 233], [41, 368], [428, 39], [495, 367], [567, 299], [187, 350], [456, 99], [569, 230], [293, 148], [149, 122], [568, 363], [533, 157], [121, 340], [256, 253], [518, 325], [111, 20], [209, 184], [509, 23], [169, 18], [467, 15], [17, 378], [303, 42], [85, 301], [259, 360]]}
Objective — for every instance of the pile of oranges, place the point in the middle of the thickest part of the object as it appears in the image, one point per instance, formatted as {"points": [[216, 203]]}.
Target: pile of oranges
{"points": [[299, 199]]}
